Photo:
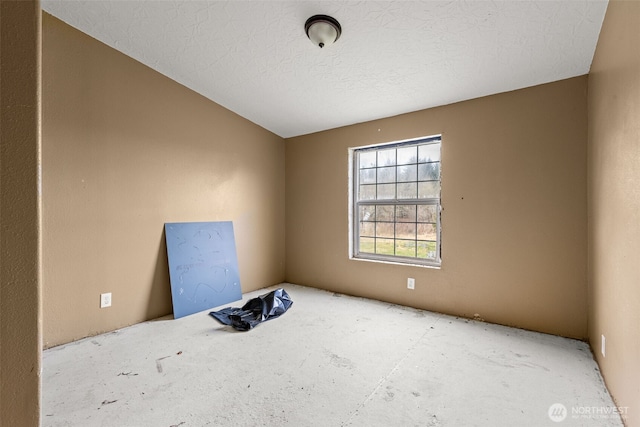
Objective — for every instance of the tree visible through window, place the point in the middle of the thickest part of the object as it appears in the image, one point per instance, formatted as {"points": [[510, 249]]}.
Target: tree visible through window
{"points": [[396, 191]]}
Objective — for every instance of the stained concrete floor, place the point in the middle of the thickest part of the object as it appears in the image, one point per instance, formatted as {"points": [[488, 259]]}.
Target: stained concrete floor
{"points": [[331, 360]]}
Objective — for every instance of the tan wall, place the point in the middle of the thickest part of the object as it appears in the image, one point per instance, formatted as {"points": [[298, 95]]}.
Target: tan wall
{"points": [[514, 218], [20, 236], [614, 203], [125, 150]]}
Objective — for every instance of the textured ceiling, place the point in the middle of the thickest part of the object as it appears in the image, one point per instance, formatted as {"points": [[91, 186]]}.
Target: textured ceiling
{"points": [[393, 57]]}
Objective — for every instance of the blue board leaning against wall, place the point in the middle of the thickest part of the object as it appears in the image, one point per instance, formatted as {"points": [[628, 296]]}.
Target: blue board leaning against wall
{"points": [[203, 266]]}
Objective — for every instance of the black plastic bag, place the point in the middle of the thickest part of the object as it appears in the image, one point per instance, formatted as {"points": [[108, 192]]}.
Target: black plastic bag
{"points": [[255, 311]]}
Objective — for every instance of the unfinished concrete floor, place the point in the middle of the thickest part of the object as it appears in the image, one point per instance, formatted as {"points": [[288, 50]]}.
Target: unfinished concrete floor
{"points": [[331, 360]]}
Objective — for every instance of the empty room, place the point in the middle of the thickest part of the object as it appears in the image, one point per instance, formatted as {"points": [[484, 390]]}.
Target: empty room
{"points": [[443, 195]]}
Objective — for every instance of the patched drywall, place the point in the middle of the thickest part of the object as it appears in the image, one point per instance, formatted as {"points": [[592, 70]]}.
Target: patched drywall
{"points": [[125, 150], [514, 210]]}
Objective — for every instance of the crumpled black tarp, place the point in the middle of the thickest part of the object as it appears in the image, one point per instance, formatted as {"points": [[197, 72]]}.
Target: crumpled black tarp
{"points": [[255, 311]]}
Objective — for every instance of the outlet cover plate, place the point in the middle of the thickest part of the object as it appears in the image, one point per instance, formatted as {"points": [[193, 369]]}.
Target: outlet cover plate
{"points": [[105, 300]]}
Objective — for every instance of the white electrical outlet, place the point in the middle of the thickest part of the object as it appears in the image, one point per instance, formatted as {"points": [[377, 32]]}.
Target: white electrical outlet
{"points": [[411, 283], [603, 346], [105, 300]]}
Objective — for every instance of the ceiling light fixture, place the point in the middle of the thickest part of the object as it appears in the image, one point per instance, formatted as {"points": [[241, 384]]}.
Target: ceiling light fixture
{"points": [[322, 30]]}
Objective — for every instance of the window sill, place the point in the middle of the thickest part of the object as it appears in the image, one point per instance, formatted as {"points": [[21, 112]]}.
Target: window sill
{"points": [[405, 263]]}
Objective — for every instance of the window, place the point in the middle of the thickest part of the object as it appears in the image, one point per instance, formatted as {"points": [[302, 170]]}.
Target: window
{"points": [[396, 202]]}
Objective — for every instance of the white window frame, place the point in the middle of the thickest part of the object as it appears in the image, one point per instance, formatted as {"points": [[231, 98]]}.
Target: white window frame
{"points": [[356, 203]]}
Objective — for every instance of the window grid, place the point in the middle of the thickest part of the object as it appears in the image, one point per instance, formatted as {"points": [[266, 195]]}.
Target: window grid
{"points": [[397, 202]]}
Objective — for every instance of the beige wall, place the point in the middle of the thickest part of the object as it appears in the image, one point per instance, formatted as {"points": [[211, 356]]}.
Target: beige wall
{"points": [[20, 237], [513, 193], [514, 219], [125, 150], [614, 203]]}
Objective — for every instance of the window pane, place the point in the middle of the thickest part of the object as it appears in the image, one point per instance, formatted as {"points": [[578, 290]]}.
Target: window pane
{"points": [[406, 230], [426, 250], [368, 229], [384, 213], [407, 173], [386, 175], [403, 181], [367, 245], [427, 232], [387, 157], [406, 248], [384, 246], [428, 171], [367, 213], [384, 229], [407, 155], [429, 189], [406, 213], [386, 191], [407, 190], [367, 176], [367, 159], [367, 192], [429, 153], [427, 213]]}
